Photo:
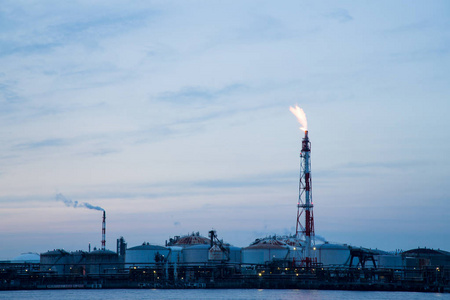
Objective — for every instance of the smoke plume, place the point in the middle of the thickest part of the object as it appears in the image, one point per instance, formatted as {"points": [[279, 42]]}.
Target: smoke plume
{"points": [[76, 204], [321, 238]]}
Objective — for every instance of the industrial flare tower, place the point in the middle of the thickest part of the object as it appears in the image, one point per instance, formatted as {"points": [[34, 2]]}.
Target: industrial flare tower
{"points": [[305, 205]]}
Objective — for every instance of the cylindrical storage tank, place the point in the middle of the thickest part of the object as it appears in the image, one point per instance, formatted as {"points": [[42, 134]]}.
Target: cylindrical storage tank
{"points": [[102, 262], [145, 255], [389, 261], [175, 255], [78, 262], [333, 254], [196, 255], [234, 254], [264, 251], [56, 260]]}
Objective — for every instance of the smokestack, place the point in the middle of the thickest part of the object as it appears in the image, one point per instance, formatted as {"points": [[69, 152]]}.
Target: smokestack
{"points": [[104, 230]]}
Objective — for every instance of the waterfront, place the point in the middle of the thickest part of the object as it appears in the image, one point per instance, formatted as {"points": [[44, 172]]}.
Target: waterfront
{"points": [[216, 294]]}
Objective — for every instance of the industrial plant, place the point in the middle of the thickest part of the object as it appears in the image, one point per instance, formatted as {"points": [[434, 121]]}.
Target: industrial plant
{"points": [[198, 261]]}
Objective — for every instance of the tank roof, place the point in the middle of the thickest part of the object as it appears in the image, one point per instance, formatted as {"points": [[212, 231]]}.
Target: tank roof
{"points": [[426, 251], [267, 243], [27, 257], [56, 252], [333, 246], [147, 247], [102, 252], [192, 239]]}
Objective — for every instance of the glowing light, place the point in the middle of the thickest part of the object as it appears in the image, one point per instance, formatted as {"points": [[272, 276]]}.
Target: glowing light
{"points": [[301, 117]]}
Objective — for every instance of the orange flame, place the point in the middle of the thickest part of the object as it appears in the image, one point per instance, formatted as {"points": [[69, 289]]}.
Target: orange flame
{"points": [[301, 117]]}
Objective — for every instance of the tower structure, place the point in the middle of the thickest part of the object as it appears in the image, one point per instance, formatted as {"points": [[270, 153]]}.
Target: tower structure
{"points": [[305, 231], [104, 231]]}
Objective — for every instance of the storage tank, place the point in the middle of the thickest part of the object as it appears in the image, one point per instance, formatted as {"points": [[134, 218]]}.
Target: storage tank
{"points": [[145, 255], [389, 261], [175, 255], [265, 250], [77, 261], [102, 262], [234, 254], [333, 254], [196, 254], [57, 260], [189, 240], [29, 257]]}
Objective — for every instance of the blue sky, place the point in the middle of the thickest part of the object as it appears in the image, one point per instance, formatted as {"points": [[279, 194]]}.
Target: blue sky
{"points": [[174, 117]]}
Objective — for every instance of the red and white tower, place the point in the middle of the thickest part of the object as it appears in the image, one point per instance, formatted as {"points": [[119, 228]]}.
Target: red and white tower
{"points": [[305, 231], [104, 231]]}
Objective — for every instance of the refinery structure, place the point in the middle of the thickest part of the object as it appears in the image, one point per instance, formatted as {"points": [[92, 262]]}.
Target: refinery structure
{"points": [[195, 260]]}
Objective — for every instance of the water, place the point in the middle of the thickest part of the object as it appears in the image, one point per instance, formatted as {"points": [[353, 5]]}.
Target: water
{"points": [[215, 294]]}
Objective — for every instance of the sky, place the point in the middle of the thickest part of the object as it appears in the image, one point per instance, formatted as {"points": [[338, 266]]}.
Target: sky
{"points": [[173, 116]]}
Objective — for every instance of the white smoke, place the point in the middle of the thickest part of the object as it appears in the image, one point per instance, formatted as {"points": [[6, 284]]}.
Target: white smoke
{"points": [[76, 204], [320, 238]]}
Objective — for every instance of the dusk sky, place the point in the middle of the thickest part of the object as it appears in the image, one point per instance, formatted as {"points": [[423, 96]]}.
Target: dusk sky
{"points": [[174, 117]]}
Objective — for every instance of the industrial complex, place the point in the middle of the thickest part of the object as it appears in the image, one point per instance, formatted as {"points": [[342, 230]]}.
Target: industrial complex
{"points": [[206, 261]]}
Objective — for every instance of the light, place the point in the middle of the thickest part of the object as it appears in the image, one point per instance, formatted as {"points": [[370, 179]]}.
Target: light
{"points": [[259, 274], [314, 248]]}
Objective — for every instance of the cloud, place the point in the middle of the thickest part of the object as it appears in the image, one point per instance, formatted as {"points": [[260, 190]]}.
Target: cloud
{"points": [[257, 180], [410, 27], [190, 95], [42, 28], [364, 169], [382, 164], [341, 15], [42, 144]]}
